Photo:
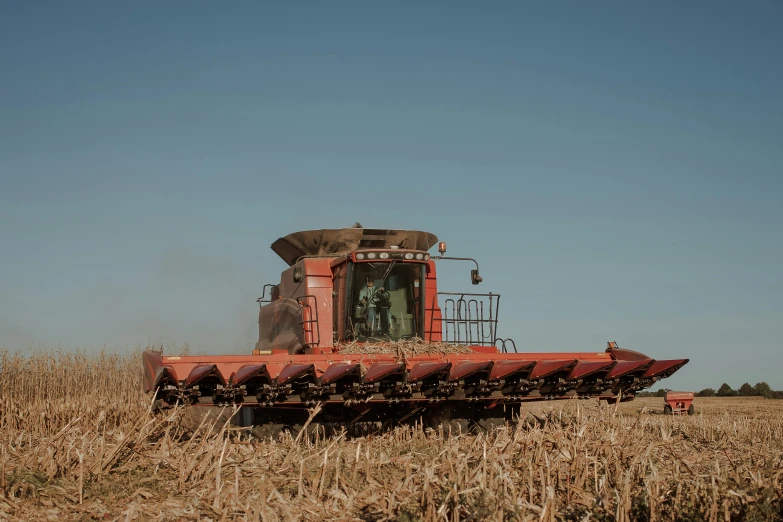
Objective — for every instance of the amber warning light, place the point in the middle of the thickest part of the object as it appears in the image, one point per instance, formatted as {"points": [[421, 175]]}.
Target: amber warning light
{"points": [[442, 247]]}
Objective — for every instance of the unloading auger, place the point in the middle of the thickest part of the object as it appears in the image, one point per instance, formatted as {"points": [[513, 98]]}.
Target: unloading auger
{"points": [[357, 325]]}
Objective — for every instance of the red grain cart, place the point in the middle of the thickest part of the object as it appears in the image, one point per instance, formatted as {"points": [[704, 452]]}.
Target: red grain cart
{"points": [[678, 403]]}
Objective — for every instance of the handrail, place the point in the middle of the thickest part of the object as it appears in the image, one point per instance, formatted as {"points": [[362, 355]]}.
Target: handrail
{"points": [[504, 342], [263, 294], [463, 320], [307, 323]]}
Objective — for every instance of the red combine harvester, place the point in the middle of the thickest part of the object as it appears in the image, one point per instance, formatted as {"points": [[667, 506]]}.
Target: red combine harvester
{"points": [[357, 323]]}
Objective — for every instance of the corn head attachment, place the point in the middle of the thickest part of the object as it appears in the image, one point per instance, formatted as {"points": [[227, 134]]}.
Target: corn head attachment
{"points": [[381, 387]]}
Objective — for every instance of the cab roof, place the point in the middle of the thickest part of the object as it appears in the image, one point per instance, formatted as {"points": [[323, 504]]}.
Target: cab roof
{"points": [[345, 240]]}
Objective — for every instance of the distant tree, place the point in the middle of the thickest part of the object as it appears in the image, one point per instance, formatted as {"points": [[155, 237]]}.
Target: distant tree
{"points": [[706, 392], [725, 391], [746, 390], [762, 389], [661, 392], [777, 394]]}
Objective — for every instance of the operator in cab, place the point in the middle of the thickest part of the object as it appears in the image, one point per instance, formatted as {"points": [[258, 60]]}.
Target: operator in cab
{"points": [[382, 302], [366, 299]]}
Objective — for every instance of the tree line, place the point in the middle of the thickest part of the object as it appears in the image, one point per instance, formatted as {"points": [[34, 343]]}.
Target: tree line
{"points": [[761, 389]]}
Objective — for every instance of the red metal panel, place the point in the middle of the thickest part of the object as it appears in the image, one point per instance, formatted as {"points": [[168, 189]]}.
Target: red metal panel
{"points": [[433, 326], [340, 269], [661, 367], [485, 349], [155, 372], [504, 369], [293, 371], [585, 368], [317, 266], [622, 354], [165, 375], [423, 370], [626, 367], [546, 368], [380, 370], [338, 371], [678, 396], [467, 368], [152, 363], [250, 372], [316, 282], [204, 371]]}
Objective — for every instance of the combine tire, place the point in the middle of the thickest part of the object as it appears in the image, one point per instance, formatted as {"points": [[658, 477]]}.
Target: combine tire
{"points": [[667, 410], [691, 410]]}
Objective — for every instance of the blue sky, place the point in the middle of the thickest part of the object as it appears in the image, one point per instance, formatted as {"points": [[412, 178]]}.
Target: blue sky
{"points": [[614, 167]]}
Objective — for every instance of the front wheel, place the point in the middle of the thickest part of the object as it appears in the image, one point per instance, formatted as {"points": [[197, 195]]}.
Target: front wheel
{"points": [[667, 410]]}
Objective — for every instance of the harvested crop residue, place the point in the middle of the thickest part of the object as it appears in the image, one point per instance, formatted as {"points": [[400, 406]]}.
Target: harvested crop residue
{"points": [[405, 348], [79, 441]]}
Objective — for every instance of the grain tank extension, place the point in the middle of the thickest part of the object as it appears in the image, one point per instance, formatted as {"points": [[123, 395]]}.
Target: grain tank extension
{"points": [[358, 324]]}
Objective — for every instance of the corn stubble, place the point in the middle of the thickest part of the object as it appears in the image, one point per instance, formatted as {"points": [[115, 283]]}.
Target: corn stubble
{"points": [[80, 441]]}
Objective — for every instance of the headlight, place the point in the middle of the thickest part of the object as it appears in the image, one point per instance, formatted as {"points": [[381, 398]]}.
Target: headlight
{"points": [[371, 255], [409, 256], [384, 255], [359, 256], [426, 257], [419, 257]]}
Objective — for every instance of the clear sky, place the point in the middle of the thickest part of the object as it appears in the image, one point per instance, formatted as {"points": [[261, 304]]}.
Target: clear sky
{"points": [[615, 167]]}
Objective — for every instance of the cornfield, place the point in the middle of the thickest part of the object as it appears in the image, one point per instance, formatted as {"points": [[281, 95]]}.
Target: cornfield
{"points": [[79, 440]]}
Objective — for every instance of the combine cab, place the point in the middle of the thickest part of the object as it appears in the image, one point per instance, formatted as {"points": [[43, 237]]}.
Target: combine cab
{"points": [[358, 325]]}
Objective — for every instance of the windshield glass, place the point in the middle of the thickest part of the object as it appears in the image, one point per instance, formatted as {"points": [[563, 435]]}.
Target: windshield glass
{"points": [[385, 301]]}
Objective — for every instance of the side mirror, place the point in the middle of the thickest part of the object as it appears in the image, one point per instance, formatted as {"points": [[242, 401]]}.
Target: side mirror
{"points": [[475, 278]]}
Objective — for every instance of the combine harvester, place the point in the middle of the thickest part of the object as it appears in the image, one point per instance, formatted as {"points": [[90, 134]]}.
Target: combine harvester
{"points": [[358, 325]]}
